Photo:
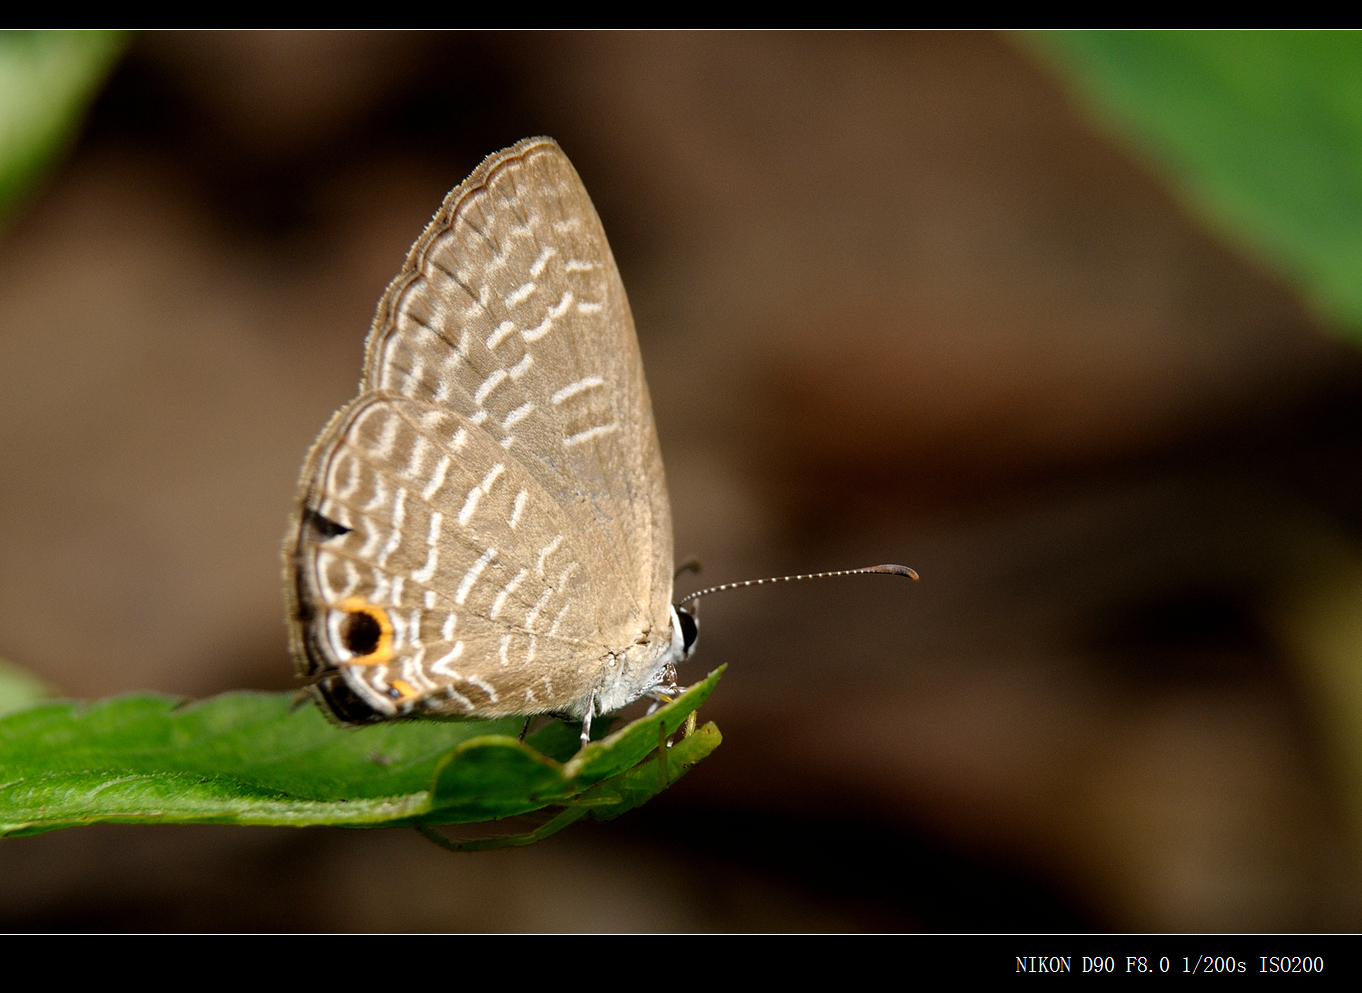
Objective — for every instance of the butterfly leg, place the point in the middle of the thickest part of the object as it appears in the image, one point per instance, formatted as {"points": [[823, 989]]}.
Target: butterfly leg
{"points": [[526, 729], [664, 690], [586, 719]]}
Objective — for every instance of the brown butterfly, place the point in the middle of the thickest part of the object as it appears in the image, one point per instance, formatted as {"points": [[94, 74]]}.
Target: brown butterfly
{"points": [[485, 529]]}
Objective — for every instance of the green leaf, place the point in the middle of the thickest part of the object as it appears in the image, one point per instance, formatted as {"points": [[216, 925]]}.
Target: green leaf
{"points": [[255, 758], [47, 80], [1260, 132]]}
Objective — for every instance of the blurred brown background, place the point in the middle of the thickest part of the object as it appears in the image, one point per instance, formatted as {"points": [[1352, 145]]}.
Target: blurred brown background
{"points": [[898, 301]]}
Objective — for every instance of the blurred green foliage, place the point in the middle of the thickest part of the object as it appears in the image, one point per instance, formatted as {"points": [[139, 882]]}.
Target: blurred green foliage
{"points": [[47, 81], [1260, 132]]}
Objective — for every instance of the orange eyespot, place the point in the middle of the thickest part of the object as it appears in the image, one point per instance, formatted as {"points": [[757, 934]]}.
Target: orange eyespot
{"points": [[366, 631]]}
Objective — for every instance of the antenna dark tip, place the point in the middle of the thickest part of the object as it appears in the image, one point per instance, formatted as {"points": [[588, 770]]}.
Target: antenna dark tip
{"points": [[894, 570]]}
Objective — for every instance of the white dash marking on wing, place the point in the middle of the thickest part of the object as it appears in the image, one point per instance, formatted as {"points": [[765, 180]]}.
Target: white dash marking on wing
{"points": [[376, 679], [366, 551], [480, 304], [542, 261], [529, 651], [441, 665], [424, 574], [386, 440], [478, 492], [478, 417], [533, 613], [437, 478], [586, 307], [471, 576], [494, 379], [587, 435], [329, 593], [418, 455], [553, 629], [560, 308], [539, 330], [399, 514], [519, 294], [447, 629], [563, 227], [351, 479], [414, 674], [572, 389], [413, 378], [381, 587], [517, 415], [396, 601], [517, 508], [522, 367], [470, 505], [546, 551], [566, 574], [430, 600], [501, 651], [504, 329], [506, 591], [483, 685], [380, 496], [577, 265], [459, 440]]}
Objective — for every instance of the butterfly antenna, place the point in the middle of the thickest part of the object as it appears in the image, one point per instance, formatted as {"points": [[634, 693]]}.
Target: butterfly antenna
{"points": [[888, 570]]}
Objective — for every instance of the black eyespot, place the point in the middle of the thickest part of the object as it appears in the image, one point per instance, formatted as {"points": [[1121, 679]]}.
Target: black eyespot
{"points": [[342, 703], [324, 526], [690, 627], [361, 632]]}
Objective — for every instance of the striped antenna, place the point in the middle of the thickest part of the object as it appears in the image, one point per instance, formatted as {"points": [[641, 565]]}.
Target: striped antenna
{"points": [[888, 570]]}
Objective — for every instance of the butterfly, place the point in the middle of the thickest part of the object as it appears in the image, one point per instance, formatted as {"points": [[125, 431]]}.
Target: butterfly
{"points": [[485, 529]]}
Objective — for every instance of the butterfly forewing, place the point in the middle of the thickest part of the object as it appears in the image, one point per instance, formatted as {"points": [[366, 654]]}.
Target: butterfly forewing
{"points": [[488, 520]]}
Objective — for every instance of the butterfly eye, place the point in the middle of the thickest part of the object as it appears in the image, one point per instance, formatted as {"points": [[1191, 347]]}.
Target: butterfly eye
{"points": [[365, 631], [690, 629]]}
